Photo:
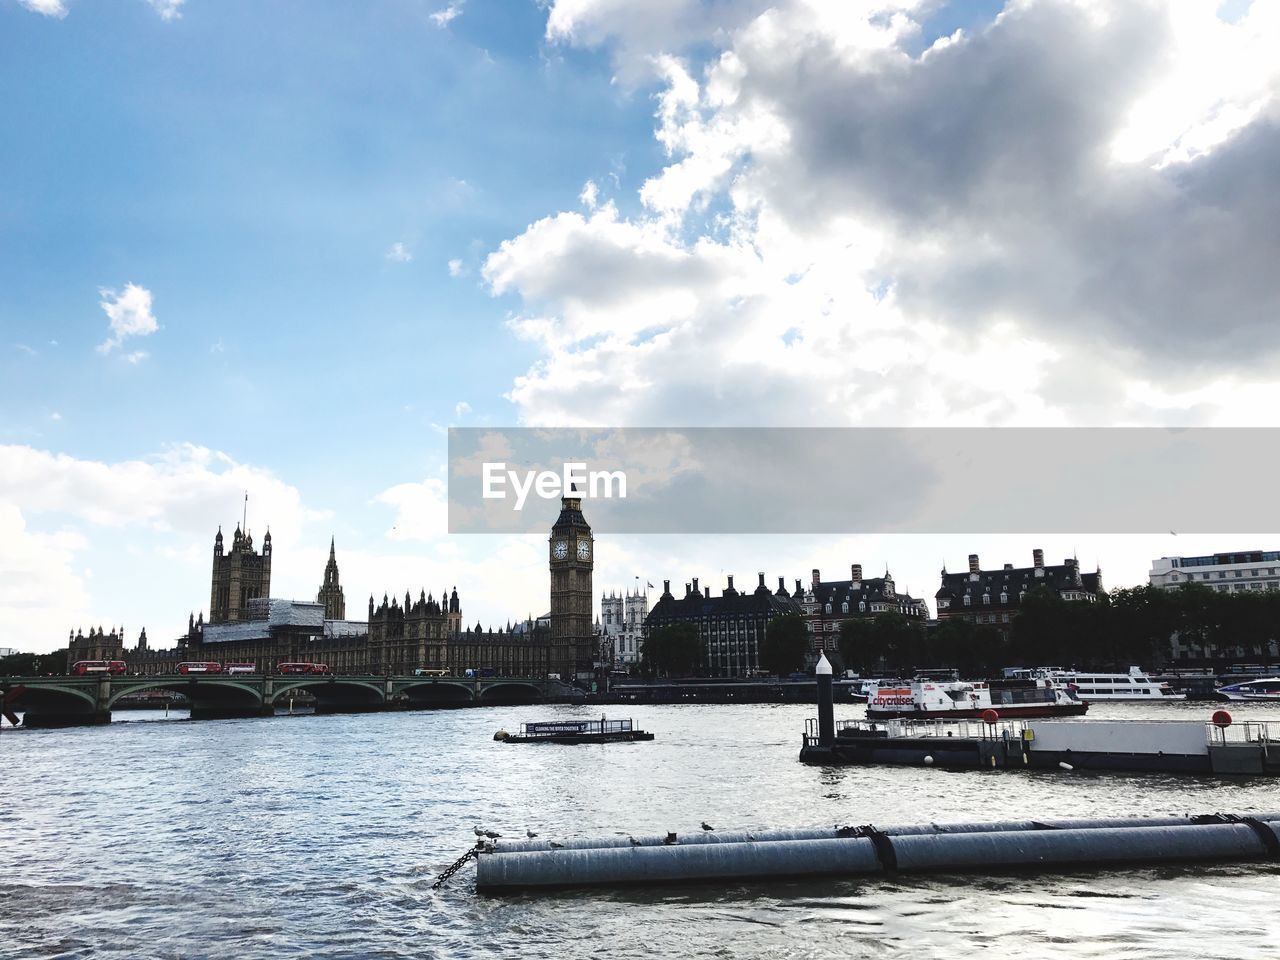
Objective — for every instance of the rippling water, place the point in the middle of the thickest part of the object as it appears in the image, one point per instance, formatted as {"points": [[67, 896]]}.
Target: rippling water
{"points": [[320, 837]]}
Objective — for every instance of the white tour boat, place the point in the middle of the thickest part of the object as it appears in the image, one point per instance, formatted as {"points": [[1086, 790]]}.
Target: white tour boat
{"points": [[1264, 689], [1091, 686], [964, 699]]}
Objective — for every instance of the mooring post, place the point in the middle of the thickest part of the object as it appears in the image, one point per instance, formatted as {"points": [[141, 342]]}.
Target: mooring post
{"points": [[826, 703]]}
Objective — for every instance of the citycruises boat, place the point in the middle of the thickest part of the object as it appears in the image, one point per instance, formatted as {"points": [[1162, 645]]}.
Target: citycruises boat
{"points": [[1264, 689], [962, 699], [1134, 685]]}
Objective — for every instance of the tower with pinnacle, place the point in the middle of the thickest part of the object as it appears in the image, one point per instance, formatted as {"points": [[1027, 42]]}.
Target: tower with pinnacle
{"points": [[335, 604], [240, 574], [572, 559]]}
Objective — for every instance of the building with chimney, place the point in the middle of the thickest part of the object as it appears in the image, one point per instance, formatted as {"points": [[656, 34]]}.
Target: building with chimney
{"points": [[828, 603], [730, 626], [992, 597]]}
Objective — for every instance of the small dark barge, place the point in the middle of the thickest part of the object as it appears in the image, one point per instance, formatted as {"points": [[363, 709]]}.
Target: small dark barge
{"points": [[575, 731]]}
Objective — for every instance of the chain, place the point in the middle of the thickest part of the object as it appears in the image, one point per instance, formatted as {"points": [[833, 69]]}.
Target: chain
{"points": [[444, 877]]}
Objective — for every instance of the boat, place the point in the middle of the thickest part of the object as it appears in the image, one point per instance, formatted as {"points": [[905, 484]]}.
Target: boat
{"points": [[575, 731], [1090, 686], [1265, 689], [967, 699]]}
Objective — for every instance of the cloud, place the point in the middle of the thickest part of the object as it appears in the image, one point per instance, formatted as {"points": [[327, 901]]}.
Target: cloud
{"points": [[461, 409], [422, 511], [50, 8], [41, 592], [399, 253], [455, 268], [442, 18], [167, 9], [1065, 215], [590, 195], [23, 348], [129, 313]]}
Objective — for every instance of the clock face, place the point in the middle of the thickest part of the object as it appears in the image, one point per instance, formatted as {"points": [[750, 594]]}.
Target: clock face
{"points": [[584, 550], [560, 550]]}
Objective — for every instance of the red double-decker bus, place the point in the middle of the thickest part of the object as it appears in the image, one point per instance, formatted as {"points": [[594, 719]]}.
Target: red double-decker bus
{"points": [[81, 667], [302, 668], [200, 667]]}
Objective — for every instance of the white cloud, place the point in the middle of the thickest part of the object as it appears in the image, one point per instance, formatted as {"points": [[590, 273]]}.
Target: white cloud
{"points": [[442, 18], [1037, 221], [55, 416], [167, 9], [422, 510], [461, 409], [50, 8], [41, 594], [590, 195], [455, 267], [23, 348], [399, 253], [129, 313]]}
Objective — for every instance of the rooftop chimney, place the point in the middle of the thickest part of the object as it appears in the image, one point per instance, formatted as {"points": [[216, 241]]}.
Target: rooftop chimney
{"points": [[799, 589], [856, 570], [817, 577], [973, 563], [762, 578], [695, 585], [1037, 558], [730, 589], [707, 593]]}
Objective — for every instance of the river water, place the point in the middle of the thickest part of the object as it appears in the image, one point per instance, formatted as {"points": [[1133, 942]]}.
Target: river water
{"points": [[312, 836]]}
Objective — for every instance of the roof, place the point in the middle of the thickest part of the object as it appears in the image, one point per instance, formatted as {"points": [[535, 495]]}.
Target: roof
{"points": [[695, 606], [1014, 580], [837, 591]]}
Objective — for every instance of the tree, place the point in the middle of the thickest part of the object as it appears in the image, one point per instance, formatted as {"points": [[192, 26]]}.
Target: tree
{"points": [[670, 651], [785, 644], [33, 664], [889, 642]]}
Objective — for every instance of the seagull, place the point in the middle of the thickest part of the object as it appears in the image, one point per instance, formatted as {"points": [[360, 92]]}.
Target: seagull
{"points": [[671, 838], [554, 845], [634, 841], [529, 833], [492, 835], [479, 832], [707, 826]]}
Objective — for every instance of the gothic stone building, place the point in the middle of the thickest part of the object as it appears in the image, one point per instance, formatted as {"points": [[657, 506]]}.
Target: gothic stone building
{"points": [[239, 576], [991, 597], [573, 642], [730, 626]]}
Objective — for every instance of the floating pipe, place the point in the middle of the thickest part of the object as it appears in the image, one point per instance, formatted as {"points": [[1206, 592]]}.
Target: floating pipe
{"points": [[833, 833], [870, 851]]}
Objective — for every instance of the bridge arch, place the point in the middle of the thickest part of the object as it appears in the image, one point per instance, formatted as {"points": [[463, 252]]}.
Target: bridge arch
{"points": [[334, 695], [424, 694], [509, 691]]}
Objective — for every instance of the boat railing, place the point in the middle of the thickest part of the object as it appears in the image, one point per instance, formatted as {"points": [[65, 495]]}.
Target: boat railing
{"points": [[558, 728], [1247, 731], [914, 728]]}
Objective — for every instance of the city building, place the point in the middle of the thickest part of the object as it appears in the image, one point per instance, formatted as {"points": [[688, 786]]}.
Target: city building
{"points": [[828, 603], [730, 626], [574, 647], [622, 617], [1224, 572], [331, 595], [239, 575], [991, 597]]}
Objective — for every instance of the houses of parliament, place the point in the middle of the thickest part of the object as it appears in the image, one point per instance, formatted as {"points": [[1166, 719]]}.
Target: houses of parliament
{"points": [[246, 625]]}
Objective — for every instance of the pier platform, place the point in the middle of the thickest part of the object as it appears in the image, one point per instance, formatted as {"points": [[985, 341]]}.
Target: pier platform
{"points": [[1157, 746], [575, 731]]}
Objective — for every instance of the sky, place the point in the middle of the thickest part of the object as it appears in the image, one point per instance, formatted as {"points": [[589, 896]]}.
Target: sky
{"points": [[282, 247]]}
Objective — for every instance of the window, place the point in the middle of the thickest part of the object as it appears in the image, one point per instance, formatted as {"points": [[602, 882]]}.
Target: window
{"points": [[844, 607], [1004, 597], [966, 600], [986, 598], [828, 608]]}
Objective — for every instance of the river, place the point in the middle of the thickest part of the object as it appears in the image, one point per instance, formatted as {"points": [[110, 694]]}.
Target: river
{"points": [[320, 836]]}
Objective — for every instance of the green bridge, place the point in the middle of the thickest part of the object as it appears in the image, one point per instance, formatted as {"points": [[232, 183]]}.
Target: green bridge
{"points": [[79, 700]]}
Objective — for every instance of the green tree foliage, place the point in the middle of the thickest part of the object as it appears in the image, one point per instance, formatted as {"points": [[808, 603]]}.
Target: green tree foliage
{"points": [[33, 664], [671, 651], [785, 644], [889, 643]]}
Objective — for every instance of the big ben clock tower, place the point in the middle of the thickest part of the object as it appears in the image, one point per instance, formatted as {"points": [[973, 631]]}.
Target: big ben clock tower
{"points": [[572, 559]]}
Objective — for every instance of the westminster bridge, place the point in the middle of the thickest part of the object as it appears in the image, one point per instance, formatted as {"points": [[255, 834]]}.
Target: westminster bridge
{"points": [[64, 701]]}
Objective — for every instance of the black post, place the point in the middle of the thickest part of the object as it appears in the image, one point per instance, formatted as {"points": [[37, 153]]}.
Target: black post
{"points": [[826, 705]]}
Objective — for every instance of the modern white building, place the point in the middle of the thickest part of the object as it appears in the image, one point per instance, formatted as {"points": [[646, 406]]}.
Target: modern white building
{"points": [[622, 618], [1224, 572]]}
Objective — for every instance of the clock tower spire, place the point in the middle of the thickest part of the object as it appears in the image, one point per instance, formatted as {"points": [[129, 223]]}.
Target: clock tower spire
{"points": [[572, 559]]}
